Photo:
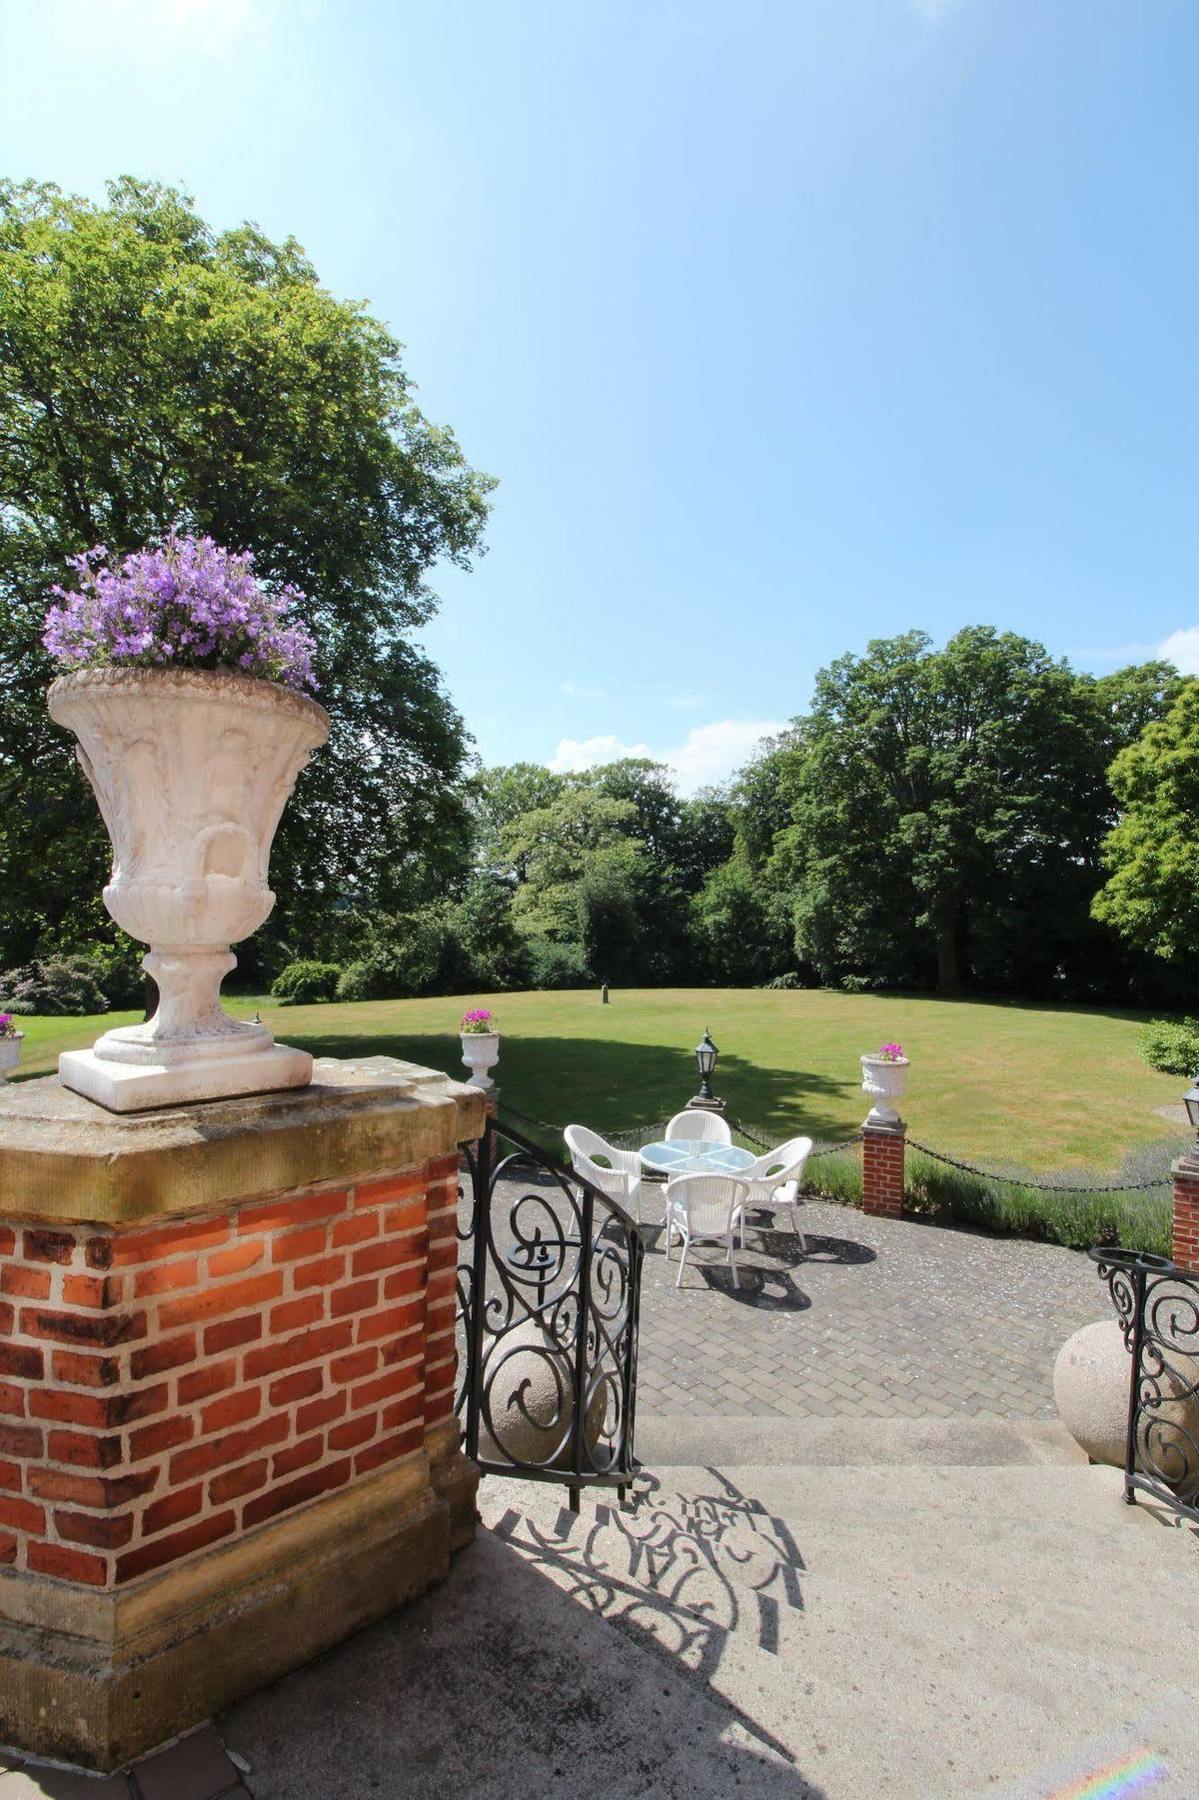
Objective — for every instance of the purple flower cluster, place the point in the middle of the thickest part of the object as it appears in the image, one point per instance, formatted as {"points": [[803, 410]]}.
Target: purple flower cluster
{"points": [[478, 1023], [185, 604], [890, 1052], [7, 1028]]}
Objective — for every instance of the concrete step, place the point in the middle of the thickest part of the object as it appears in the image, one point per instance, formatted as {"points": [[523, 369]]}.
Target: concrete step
{"points": [[665, 1441], [898, 1628]]}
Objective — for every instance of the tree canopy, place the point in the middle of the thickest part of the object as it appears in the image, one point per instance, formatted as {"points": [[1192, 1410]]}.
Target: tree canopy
{"points": [[153, 374], [1152, 894], [937, 815]]}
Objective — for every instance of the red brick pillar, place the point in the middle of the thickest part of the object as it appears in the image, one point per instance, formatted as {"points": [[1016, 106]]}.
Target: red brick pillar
{"points": [[227, 1382], [1186, 1213], [882, 1167]]}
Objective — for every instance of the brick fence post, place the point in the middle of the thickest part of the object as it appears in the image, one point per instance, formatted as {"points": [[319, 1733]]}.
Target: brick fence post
{"points": [[1186, 1213], [227, 1371], [882, 1167]]}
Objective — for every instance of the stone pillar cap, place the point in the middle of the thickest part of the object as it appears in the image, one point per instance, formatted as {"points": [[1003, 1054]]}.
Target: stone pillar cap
{"points": [[64, 1157]]}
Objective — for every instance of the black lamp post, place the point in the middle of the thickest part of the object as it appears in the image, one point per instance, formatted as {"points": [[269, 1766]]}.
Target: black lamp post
{"points": [[705, 1055], [1191, 1101]]}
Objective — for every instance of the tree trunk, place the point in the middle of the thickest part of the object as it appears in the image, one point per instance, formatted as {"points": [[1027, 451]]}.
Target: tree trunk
{"points": [[949, 964]]}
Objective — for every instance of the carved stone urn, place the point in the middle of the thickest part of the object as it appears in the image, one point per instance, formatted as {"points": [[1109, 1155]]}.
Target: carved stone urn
{"points": [[480, 1050], [191, 769], [884, 1079]]}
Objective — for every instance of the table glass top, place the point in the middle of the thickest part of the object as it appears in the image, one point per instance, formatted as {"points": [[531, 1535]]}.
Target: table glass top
{"points": [[690, 1156]]}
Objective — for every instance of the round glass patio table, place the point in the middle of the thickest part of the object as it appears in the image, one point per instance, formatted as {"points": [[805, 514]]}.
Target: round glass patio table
{"points": [[691, 1156]]}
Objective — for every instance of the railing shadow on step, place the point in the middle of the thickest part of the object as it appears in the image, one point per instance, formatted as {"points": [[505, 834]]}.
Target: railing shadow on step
{"points": [[681, 1574]]}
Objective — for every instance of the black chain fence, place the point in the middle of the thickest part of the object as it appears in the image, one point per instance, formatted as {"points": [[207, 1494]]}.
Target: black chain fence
{"points": [[1080, 1185]]}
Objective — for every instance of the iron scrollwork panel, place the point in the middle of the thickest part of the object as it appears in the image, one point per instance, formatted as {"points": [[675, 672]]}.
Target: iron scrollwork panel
{"points": [[1157, 1304], [549, 1291]]}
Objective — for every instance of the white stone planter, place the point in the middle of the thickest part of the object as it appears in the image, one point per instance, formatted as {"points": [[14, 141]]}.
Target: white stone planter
{"points": [[10, 1053], [480, 1050], [884, 1082], [191, 770]]}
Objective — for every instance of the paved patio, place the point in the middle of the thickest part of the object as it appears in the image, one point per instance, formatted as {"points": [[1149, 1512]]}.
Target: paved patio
{"points": [[881, 1318]]}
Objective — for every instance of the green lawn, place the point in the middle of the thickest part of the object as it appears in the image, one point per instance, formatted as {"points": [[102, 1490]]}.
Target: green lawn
{"points": [[1041, 1086]]}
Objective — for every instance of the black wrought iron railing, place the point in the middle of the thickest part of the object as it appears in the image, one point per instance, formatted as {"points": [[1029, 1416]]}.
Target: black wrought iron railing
{"points": [[1157, 1304], [549, 1292]]}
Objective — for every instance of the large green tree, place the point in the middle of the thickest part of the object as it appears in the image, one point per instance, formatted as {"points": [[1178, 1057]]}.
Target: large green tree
{"points": [[945, 809], [155, 373], [1152, 893]]}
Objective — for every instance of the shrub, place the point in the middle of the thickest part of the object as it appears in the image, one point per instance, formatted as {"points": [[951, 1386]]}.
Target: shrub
{"points": [[1171, 1045], [557, 965], [364, 979], [1137, 1219], [788, 981], [60, 985], [117, 969], [302, 983]]}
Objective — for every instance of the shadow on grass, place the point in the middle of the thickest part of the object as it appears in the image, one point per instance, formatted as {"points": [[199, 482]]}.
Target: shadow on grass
{"points": [[611, 1087]]}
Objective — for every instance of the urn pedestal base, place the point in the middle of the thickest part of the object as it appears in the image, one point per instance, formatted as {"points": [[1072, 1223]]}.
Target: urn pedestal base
{"points": [[138, 1087]]}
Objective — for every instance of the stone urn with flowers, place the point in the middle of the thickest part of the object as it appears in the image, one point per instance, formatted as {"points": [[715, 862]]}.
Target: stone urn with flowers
{"points": [[480, 1045], [185, 688], [10, 1044], [885, 1079]]}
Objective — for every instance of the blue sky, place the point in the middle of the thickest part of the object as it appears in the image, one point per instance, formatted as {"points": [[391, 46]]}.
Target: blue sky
{"points": [[783, 325]]}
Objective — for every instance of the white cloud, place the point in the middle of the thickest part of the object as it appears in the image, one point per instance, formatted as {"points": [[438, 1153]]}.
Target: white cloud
{"points": [[711, 753], [1182, 649], [708, 754], [574, 754], [575, 692]]}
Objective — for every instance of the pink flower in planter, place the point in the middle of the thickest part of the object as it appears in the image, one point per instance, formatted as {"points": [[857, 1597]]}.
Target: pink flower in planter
{"points": [[890, 1052]]}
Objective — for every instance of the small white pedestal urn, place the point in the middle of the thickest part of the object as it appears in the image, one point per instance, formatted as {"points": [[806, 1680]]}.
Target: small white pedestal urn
{"points": [[191, 769], [10, 1052], [480, 1049], [884, 1081]]}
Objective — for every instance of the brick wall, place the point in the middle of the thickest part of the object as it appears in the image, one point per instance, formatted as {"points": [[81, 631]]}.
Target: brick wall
{"points": [[1186, 1218], [164, 1389], [882, 1171]]}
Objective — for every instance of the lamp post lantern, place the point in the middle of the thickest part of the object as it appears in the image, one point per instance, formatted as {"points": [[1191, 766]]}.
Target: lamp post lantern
{"points": [[705, 1055], [1191, 1101]]}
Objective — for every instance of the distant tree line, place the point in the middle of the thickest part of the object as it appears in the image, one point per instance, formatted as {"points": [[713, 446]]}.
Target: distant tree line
{"points": [[979, 818]]}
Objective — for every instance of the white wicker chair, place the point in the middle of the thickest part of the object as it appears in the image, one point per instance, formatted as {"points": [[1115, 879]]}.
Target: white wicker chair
{"points": [[774, 1180], [702, 1207], [698, 1126], [619, 1175]]}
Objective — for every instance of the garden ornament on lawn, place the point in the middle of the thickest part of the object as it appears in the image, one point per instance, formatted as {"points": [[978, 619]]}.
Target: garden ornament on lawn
{"points": [[885, 1078], [185, 695]]}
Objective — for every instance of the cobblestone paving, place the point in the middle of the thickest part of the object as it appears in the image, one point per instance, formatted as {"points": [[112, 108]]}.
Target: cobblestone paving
{"points": [[884, 1318]]}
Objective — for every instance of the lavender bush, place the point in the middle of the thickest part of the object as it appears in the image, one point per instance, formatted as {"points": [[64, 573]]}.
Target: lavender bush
{"points": [[186, 603]]}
